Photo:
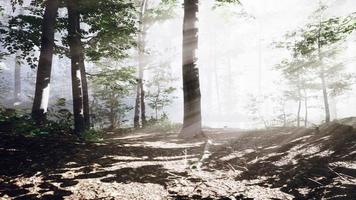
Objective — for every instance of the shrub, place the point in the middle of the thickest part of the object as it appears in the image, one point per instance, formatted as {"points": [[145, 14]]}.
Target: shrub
{"points": [[92, 135]]}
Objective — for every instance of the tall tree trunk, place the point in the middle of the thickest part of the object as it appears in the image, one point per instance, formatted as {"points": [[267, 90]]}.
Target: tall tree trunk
{"points": [[137, 108], [143, 106], [17, 80], [141, 51], [306, 108], [298, 113], [325, 95], [40, 102], [192, 98], [85, 92], [299, 101], [322, 74], [84, 82], [113, 119], [75, 55]]}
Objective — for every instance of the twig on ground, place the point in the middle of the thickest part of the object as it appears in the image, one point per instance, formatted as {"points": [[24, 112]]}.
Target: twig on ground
{"points": [[315, 181], [341, 176]]}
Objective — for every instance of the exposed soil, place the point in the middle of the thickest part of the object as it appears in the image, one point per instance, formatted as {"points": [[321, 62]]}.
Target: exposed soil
{"points": [[280, 163]]}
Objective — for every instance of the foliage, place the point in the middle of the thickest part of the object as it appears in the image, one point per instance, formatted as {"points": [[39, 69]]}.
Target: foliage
{"points": [[163, 124], [109, 31], [92, 135], [20, 122], [111, 85], [254, 108], [61, 115], [223, 2], [164, 10], [160, 92]]}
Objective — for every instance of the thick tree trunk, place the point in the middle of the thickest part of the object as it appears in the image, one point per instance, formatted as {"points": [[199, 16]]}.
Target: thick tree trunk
{"points": [[17, 80], [192, 98], [40, 102], [113, 119], [84, 82], [85, 92], [75, 55]]}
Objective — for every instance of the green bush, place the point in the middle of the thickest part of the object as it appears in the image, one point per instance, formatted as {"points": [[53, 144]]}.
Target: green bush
{"points": [[162, 124], [20, 122], [92, 135]]}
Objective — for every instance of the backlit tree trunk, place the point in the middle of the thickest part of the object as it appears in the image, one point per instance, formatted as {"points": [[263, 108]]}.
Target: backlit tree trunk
{"points": [[299, 102], [140, 96], [325, 97], [41, 98], [76, 55], [192, 98], [322, 75], [137, 108], [298, 113], [306, 108], [86, 110]]}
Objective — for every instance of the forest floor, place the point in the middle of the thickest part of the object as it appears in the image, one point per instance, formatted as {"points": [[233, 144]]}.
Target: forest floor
{"points": [[279, 163]]}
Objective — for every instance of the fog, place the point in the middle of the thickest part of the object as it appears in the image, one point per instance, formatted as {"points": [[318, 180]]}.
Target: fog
{"points": [[236, 60]]}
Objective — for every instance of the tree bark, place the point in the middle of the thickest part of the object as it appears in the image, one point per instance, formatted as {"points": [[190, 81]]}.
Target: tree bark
{"points": [[43, 78], [143, 106], [325, 95], [298, 113], [86, 109], [192, 98], [322, 76], [76, 55], [306, 108], [137, 108], [140, 96], [299, 102], [84, 81]]}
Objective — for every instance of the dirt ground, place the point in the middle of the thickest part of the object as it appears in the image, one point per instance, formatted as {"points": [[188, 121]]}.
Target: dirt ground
{"points": [[279, 163]]}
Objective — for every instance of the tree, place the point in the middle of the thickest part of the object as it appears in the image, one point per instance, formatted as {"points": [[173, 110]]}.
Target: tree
{"points": [[40, 102], [192, 124], [147, 17], [160, 93], [76, 56], [140, 94], [319, 35], [110, 26], [112, 84], [297, 74]]}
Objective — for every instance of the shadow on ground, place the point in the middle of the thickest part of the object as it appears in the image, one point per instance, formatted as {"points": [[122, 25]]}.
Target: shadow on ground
{"points": [[50, 158], [294, 163]]}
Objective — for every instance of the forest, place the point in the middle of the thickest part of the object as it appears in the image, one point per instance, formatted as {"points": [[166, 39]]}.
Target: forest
{"points": [[178, 99]]}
